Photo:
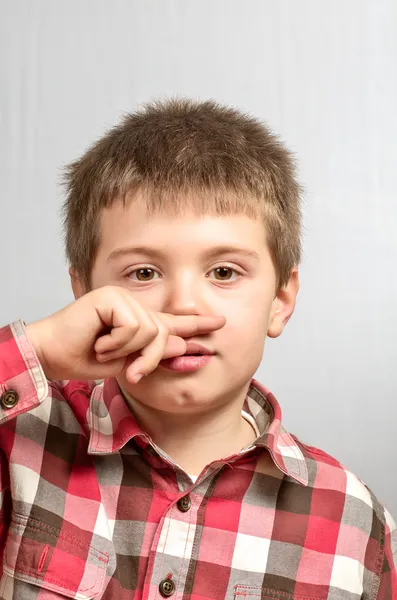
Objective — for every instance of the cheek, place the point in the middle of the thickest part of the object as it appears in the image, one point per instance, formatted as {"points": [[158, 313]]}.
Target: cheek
{"points": [[242, 346], [246, 328], [247, 312]]}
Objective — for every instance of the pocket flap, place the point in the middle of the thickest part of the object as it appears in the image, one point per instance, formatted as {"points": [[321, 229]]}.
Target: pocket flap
{"points": [[53, 559]]}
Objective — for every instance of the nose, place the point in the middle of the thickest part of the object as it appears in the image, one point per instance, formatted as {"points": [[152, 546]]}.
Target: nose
{"points": [[185, 296]]}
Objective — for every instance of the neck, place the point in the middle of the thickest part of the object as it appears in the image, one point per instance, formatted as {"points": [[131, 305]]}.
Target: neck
{"points": [[195, 440]]}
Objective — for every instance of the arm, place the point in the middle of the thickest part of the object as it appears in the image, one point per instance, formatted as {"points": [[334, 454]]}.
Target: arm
{"points": [[22, 383]]}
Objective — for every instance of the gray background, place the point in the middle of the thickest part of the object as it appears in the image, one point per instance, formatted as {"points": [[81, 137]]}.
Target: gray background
{"points": [[324, 75]]}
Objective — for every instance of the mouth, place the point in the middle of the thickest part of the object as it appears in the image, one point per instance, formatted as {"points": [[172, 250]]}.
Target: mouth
{"points": [[194, 349], [195, 358]]}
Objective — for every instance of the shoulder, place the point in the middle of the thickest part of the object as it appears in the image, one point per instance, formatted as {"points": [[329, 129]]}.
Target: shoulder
{"points": [[333, 481]]}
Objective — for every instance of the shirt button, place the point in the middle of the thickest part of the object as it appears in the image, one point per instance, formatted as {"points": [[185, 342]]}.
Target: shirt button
{"points": [[9, 399], [184, 503], [167, 587]]}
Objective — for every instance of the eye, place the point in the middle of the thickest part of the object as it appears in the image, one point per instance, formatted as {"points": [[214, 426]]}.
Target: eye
{"points": [[143, 274], [225, 274]]}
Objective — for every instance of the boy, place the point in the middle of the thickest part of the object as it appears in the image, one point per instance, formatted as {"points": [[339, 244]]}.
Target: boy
{"points": [[174, 477]]}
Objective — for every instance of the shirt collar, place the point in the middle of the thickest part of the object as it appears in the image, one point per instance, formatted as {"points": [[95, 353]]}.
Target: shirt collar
{"points": [[112, 425], [282, 447]]}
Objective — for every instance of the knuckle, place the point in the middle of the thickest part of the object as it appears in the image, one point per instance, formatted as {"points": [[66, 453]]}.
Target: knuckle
{"points": [[162, 330], [133, 325], [108, 290], [152, 329], [162, 326]]}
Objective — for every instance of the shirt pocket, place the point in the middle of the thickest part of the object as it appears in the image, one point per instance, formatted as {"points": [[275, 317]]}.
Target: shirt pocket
{"points": [[53, 559], [251, 592]]}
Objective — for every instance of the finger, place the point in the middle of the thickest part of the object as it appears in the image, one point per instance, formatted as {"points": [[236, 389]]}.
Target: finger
{"points": [[122, 323], [151, 354], [134, 330], [189, 325], [176, 346], [137, 367], [133, 342], [133, 345], [102, 371], [117, 338]]}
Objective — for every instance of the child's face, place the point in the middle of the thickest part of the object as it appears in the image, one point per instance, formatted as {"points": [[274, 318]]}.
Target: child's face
{"points": [[197, 265]]}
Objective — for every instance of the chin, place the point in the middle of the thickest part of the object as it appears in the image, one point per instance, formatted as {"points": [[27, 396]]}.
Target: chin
{"points": [[186, 393], [175, 394]]}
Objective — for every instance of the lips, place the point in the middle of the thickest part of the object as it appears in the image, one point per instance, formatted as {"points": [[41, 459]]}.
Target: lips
{"points": [[195, 358], [194, 349]]}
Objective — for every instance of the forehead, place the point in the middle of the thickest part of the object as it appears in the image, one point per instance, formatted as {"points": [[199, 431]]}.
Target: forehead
{"points": [[124, 223]]}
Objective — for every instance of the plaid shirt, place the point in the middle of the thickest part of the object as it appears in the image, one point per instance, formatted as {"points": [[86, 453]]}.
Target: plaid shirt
{"points": [[91, 508]]}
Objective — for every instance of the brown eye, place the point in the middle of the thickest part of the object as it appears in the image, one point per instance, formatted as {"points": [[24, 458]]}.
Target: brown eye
{"points": [[144, 274], [225, 274]]}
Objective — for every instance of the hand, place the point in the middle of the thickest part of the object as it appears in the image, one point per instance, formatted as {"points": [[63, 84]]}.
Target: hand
{"points": [[106, 331]]}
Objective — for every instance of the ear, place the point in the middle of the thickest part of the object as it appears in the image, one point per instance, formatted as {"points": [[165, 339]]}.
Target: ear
{"points": [[77, 284], [283, 305]]}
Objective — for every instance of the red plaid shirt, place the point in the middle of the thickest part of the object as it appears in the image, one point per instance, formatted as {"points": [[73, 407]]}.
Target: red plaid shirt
{"points": [[91, 508]]}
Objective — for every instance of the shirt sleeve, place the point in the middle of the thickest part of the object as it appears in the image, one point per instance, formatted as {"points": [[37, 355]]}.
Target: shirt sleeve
{"points": [[5, 505], [23, 385], [388, 578]]}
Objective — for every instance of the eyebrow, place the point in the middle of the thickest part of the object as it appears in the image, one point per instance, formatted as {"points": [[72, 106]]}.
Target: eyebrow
{"points": [[209, 254]]}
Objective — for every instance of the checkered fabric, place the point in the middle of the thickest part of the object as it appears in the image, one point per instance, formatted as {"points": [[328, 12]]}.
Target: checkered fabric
{"points": [[90, 507]]}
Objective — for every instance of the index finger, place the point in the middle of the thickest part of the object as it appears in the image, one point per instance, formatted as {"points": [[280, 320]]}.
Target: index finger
{"points": [[188, 325]]}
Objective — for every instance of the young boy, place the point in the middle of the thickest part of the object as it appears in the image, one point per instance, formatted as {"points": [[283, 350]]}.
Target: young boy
{"points": [[138, 457]]}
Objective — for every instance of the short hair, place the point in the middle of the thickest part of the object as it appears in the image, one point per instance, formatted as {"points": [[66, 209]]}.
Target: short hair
{"points": [[181, 154]]}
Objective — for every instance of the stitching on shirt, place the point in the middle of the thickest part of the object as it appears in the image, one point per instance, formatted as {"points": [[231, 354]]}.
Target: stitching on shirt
{"points": [[247, 590], [184, 552], [379, 561], [252, 589], [27, 575], [67, 537], [60, 536], [2, 586], [23, 409], [20, 331], [94, 419], [42, 558], [287, 440], [44, 577], [200, 525], [165, 544], [300, 460]]}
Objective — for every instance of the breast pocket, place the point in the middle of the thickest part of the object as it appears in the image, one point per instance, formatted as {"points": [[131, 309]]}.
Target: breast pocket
{"points": [[57, 560]]}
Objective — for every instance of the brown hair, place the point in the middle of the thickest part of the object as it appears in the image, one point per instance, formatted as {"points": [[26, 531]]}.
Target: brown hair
{"points": [[178, 154]]}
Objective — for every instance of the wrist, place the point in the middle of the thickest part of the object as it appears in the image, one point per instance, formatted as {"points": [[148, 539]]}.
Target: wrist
{"points": [[35, 334]]}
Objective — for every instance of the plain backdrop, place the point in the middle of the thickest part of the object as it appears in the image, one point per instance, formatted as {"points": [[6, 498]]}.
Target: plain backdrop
{"points": [[324, 76]]}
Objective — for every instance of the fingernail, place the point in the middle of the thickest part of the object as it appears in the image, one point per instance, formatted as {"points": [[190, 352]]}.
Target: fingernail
{"points": [[137, 378]]}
